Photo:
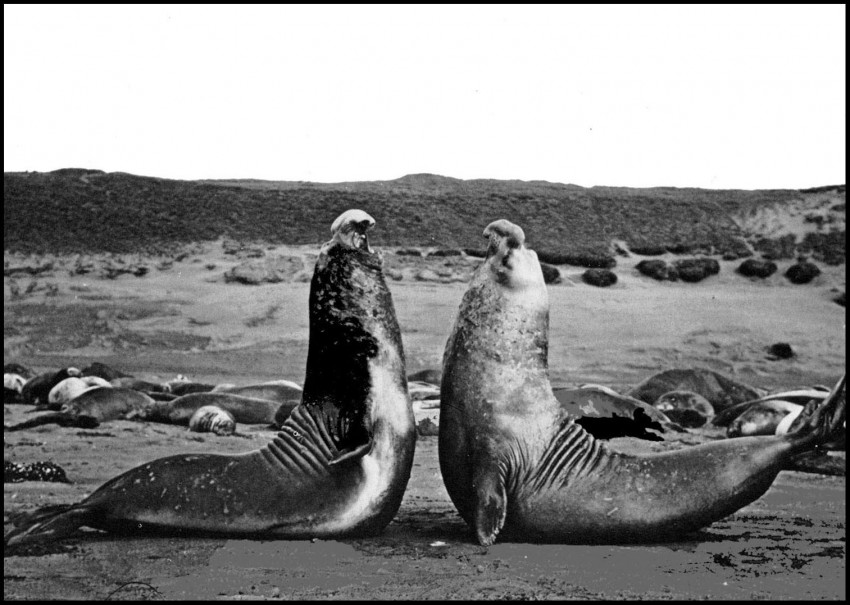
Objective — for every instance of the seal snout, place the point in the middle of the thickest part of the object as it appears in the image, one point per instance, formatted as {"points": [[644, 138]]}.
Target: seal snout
{"points": [[504, 230], [350, 228]]}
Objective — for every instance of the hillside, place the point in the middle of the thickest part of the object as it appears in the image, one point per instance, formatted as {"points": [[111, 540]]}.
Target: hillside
{"points": [[81, 211]]}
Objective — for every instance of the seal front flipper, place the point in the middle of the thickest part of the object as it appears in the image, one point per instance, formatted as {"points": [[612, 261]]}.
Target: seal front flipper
{"points": [[354, 454], [491, 503]]}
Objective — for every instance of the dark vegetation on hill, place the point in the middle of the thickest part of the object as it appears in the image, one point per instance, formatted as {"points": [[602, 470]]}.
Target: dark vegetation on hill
{"points": [[83, 211]]}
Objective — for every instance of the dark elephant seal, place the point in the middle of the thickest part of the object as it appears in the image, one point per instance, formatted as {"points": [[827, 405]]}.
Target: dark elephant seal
{"points": [[181, 388], [341, 462], [212, 419], [720, 391], [37, 389], [688, 409], [514, 462], [245, 410]]}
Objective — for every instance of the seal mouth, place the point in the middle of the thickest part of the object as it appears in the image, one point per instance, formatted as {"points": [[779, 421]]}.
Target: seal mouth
{"points": [[350, 228]]}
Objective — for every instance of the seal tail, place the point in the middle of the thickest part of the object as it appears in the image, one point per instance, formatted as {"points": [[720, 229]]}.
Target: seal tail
{"points": [[826, 423], [45, 524]]}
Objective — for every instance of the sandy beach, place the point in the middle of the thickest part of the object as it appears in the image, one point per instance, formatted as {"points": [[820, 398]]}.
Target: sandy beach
{"points": [[183, 318]]}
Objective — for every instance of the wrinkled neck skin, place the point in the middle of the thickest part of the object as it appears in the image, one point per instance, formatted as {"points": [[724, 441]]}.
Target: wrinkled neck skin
{"points": [[504, 319], [355, 382]]}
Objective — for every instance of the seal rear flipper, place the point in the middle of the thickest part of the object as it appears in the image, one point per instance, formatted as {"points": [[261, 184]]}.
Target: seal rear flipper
{"points": [[491, 505], [826, 423], [61, 418], [49, 523]]}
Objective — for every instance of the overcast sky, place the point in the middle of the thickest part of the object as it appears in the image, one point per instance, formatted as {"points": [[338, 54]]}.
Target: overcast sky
{"points": [[733, 96]]}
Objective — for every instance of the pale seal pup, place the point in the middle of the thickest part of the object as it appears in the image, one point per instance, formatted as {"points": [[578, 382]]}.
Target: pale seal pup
{"points": [[514, 462], [341, 462], [212, 419], [71, 387]]}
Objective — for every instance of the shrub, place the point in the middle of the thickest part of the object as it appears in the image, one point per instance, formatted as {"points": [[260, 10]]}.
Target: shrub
{"points": [[802, 272], [757, 268], [599, 277]]}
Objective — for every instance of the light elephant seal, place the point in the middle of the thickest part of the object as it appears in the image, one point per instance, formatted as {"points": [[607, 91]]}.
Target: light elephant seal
{"points": [[245, 410], [339, 465], [513, 461], [212, 419]]}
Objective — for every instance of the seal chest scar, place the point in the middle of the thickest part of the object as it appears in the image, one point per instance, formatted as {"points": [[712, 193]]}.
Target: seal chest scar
{"points": [[515, 462]]}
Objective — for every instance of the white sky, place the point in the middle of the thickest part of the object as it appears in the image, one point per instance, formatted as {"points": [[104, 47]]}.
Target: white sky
{"points": [[722, 96]]}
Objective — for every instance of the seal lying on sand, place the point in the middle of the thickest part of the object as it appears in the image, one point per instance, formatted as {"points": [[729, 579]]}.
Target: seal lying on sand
{"points": [[762, 418], [340, 464], [245, 410], [37, 389], [719, 390], [514, 462], [289, 394], [91, 407]]}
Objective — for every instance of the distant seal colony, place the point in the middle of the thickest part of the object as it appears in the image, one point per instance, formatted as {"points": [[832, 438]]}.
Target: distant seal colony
{"points": [[516, 464], [339, 465]]}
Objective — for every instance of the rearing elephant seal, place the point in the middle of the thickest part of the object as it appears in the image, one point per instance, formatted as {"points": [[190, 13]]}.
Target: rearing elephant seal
{"points": [[515, 462], [339, 465]]}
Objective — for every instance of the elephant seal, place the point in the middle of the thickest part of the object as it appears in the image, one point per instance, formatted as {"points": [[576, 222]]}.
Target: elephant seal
{"points": [[181, 388], [280, 393], [212, 419], [71, 387], [16, 368], [513, 461], [787, 400], [145, 386], [93, 406], [245, 410], [339, 465], [762, 418], [101, 370], [689, 409], [720, 391], [12, 386], [37, 388]]}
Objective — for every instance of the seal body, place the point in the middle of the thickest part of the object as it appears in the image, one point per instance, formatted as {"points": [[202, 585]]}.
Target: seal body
{"points": [[762, 418], [245, 410], [514, 461], [281, 393], [341, 462], [720, 391]]}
